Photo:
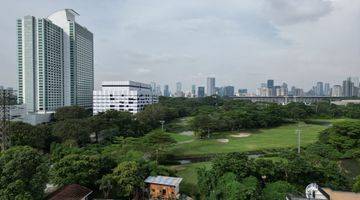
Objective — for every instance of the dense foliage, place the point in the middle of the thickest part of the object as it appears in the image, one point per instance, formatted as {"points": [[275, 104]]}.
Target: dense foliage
{"points": [[113, 152], [275, 178], [23, 172]]}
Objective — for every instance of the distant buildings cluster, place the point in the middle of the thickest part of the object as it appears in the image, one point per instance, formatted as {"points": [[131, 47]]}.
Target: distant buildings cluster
{"points": [[55, 62], [349, 88]]}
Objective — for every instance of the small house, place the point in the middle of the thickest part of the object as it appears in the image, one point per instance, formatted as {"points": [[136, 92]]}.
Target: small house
{"points": [[71, 192], [163, 187]]}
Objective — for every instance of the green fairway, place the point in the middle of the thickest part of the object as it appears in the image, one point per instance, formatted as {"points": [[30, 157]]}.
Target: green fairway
{"points": [[189, 174], [279, 137], [181, 138]]}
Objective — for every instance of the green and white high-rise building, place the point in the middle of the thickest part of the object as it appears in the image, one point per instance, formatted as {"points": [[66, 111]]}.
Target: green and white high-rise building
{"points": [[55, 62]]}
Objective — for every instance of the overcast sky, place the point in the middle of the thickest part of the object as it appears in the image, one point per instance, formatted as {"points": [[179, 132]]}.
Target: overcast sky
{"points": [[240, 42]]}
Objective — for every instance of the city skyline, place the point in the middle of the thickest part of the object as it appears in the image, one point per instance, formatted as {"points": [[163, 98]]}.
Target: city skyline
{"points": [[281, 48]]}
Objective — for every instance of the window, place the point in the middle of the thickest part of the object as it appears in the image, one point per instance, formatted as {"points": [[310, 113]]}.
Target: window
{"points": [[163, 191]]}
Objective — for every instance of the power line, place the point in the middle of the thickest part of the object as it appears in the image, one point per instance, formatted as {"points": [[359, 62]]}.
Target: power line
{"points": [[7, 98]]}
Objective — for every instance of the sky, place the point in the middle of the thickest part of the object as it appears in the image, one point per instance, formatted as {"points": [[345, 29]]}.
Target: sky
{"points": [[240, 42]]}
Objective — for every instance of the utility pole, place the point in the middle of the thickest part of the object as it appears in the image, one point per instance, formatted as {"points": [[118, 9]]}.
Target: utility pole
{"points": [[162, 125], [298, 131], [6, 101]]}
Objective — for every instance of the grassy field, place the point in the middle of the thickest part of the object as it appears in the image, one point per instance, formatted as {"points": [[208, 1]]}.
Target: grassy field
{"points": [[189, 174], [279, 137]]}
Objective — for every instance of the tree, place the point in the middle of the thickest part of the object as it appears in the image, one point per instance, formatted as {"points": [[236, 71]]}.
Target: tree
{"points": [[356, 185], [264, 169], [277, 190], [23, 172], [76, 129], [203, 124], [23, 134], [71, 112], [79, 168], [124, 182], [344, 137], [236, 163]]}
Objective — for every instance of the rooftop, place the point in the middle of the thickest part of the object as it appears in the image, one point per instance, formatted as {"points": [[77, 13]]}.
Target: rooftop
{"points": [[163, 180], [73, 192]]}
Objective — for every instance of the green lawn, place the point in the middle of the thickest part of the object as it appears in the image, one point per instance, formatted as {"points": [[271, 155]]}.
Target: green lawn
{"points": [[189, 174], [181, 138], [279, 137]]}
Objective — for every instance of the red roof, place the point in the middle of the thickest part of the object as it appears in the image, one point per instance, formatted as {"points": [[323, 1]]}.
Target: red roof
{"points": [[70, 192]]}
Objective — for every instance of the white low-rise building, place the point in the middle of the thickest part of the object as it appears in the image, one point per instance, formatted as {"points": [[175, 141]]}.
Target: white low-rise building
{"points": [[128, 96]]}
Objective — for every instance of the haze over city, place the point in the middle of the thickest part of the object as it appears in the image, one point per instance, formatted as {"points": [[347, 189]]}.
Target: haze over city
{"points": [[241, 43]]}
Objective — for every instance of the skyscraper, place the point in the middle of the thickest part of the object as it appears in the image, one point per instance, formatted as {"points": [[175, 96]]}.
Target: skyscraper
{"points": [[166, 91], [284, 89], [336, 91], [319, 89], [201, 92], [348, 87], [327, 89], [210, 86], [270, 86], [178, 87], [55, 62], [193, 90], [228, 91]]}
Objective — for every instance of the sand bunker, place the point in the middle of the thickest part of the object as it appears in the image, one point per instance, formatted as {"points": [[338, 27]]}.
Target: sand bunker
{"points": [[241, 135], [223, 140]]}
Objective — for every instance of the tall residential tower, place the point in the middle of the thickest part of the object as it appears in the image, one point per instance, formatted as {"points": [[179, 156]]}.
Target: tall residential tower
{"points": [[210, 86], [55, 62]]}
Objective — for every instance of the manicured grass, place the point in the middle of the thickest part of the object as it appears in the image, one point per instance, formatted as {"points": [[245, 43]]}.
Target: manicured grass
{"points": [[279, 137], [189, 174], [181, 138]]}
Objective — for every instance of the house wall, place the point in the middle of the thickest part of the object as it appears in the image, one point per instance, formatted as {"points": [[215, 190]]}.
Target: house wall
{"points": [[156, 191]]}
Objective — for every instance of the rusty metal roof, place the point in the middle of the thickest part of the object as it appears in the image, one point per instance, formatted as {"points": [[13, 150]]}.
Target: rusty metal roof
{"points": [[163, 180]]}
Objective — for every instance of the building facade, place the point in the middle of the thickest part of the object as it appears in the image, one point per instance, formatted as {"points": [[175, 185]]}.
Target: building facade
{"points": [[347, 88], [127, 96], [210, 86], [201, 91], [336, 91], [166, 91], [55, 62]]}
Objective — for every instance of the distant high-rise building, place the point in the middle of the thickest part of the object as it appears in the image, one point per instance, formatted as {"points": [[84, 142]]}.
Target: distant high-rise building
{"points": [[55, 62], [327, 89], [153, 87], [271, 88], [178, 87], [242, 92], [348, 88], [210, 86], [201, 92], [277, 90], [158, 90], [193, 90], [166, 91], [356, 81], [336, 91], [284, 90], [229, 91], [270, 83], [319, 89]]}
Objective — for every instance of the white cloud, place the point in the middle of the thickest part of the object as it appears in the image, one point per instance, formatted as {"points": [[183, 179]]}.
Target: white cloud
{"points": [[287, 12], [240, 42]]}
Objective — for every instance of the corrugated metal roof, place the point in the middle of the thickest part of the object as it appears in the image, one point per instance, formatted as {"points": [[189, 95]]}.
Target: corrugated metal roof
{"points": [[163, 180]]}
